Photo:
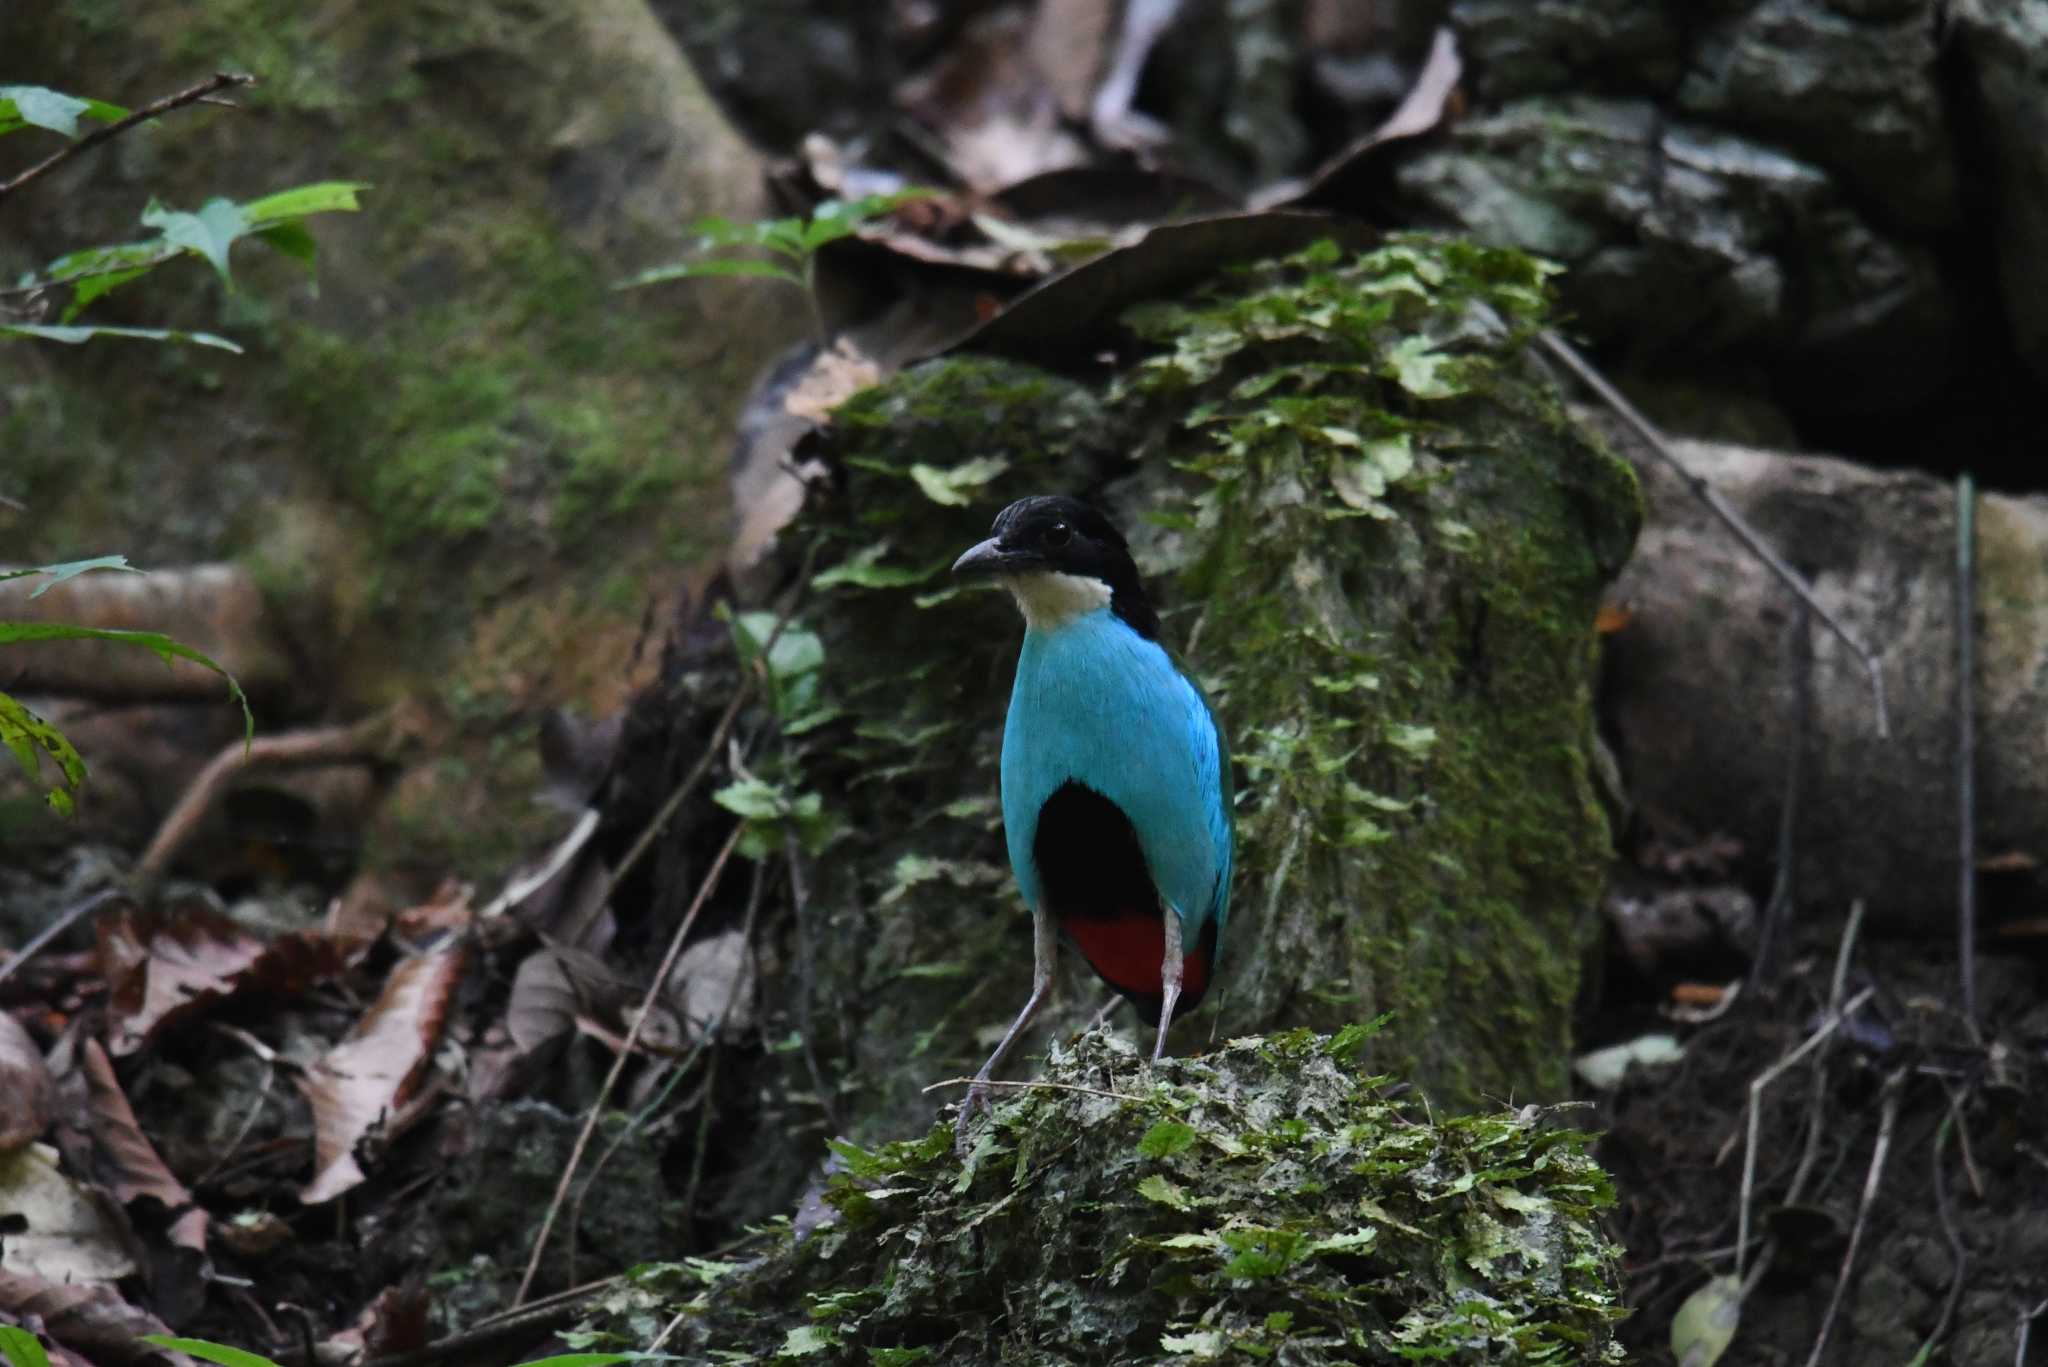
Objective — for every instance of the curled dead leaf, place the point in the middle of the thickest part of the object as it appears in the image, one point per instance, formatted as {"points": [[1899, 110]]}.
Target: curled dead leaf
{"points": [[89, 1318], [26, 1091], [361, 1083], [127, 1163], [162, 967]]}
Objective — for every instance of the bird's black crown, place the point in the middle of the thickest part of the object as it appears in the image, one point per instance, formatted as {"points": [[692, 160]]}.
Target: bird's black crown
{"points": [[1051, 533]]}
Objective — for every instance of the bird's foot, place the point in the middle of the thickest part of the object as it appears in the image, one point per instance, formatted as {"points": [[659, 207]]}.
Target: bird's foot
{"points": [[976, 1100]]}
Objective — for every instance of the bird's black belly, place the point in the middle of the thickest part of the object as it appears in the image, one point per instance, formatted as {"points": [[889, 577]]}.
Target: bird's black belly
{"points": [[1091, 871]]}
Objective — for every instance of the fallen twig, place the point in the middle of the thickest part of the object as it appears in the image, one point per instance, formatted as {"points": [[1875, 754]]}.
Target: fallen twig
{"points": [[220, 80], [1720, 507], [1837, 1013], [375, 739], [1893, 1090], [1966, 747], [1959, 1257], [57, 927], [2027, 1318]]}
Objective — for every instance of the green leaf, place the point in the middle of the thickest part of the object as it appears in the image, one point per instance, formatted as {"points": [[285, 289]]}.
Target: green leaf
{"points": [[28, 737], [209, 1352], [1166, 1193], [35, 106], [592, 1359], [864, 570], [1706, 1323], [724, 265], [897, 1357], [1166, 1138], [1412, 740], [208, 233], [321, 197], [807, 1339], [754, 799], [88, 288], [72, 335], [1422, 371], [21, 1348], [1203, 1343], [954, 486], [290, 239], [165, 647], [70, 569], [1345, 1044]]}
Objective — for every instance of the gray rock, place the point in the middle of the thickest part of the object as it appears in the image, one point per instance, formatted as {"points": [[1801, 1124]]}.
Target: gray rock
{"points": [[1518, 48], [1858, 95], [1682, 239], [1698, 688], [2006, 45]]}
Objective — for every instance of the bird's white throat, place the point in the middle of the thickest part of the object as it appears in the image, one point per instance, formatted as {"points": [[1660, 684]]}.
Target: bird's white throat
{"points": [[1050, 600]]}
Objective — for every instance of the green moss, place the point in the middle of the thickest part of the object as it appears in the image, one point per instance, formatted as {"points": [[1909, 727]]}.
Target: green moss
{"points": [[1262, 1201]]}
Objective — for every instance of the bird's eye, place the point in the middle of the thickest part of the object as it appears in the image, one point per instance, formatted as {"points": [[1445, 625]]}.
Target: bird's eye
{"points": [[1058, 534]]}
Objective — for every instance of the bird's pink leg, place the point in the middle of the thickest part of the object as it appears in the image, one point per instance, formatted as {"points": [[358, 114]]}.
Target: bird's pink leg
{"points": [[1043, 948], [1169, 981]]}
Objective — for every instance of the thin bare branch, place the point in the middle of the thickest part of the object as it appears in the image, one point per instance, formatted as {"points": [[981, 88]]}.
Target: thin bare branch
{"points": [[57, 927], [1966, 747], [1893, 1090], [220, 80], [1721, 508], [611, 1079]]}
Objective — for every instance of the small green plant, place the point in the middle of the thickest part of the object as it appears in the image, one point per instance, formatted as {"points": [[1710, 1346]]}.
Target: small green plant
{"points": [[20, 1348], [29, 737], [792, 245], [78, 278]]}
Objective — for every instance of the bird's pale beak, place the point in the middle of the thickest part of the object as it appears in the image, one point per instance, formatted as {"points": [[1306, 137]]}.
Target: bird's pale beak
{"points": [[986, 557]]}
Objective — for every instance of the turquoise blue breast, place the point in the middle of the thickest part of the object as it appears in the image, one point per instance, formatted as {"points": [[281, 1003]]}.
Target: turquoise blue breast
{"points": [[1098, 704]]}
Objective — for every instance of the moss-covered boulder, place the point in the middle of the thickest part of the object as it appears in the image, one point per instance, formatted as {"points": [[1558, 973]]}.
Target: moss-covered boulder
{"points": [[463, 467], [1379, 541], [1265, 1200]]}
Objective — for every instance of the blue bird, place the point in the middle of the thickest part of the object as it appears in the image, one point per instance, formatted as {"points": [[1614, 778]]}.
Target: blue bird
{"points": [[1116, 778]]}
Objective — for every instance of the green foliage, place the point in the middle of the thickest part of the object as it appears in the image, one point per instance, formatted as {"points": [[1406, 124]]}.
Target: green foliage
{"points": [[21, 1348], [209, 233], [791, 244], [34, 106], [786, 657], [31, 739], [277, 220], [1303, 1213]]}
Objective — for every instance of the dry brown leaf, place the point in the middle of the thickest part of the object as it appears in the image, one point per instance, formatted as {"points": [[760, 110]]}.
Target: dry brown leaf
{"points": [[128, 1164], [59, 1228], [91, 1319], [989, 102], [393, 1323], [162, 967], [446, 910], [2010, 861], [552, 988], [1612, 617], [26, 1092], [362, 1082], [1431, 102]]}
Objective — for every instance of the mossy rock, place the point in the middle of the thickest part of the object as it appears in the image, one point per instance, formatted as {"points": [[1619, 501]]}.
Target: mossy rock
{"points": [[463, 466], [1381, 544], [1266, 1200]]}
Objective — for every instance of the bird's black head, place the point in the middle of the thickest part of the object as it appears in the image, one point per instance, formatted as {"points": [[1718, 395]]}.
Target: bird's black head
{"points": [[1052, 552]]}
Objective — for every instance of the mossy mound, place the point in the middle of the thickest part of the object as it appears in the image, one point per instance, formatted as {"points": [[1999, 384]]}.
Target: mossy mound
{"points": [[1265, 1200], [1380, 542]]}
